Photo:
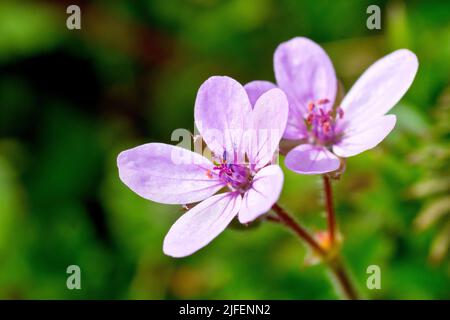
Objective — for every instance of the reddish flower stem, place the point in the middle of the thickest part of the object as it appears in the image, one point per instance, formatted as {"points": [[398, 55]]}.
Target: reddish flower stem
{"points": [[334, 262], [342, 277], [287, 220], [330, 209]]}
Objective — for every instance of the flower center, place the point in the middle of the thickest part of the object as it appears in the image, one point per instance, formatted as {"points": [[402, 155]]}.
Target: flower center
{"points": [[236, 176], [321, 122]]}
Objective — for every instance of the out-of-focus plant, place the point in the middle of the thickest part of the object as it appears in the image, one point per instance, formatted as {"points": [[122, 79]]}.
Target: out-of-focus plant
{"points": [[434, 187]]}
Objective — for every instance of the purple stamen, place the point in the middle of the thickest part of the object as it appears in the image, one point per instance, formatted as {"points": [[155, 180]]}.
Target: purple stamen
{"points": [[321, 122], [236, 176]]}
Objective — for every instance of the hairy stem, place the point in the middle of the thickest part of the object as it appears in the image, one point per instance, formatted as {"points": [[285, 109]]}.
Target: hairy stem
{"points": [[287, 220], [330, 209], [334, 262], [340, 273], [336, 265]]}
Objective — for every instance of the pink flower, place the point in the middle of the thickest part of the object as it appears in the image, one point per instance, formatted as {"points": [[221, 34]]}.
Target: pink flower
{"points": [[235, 130], [305, 73]]}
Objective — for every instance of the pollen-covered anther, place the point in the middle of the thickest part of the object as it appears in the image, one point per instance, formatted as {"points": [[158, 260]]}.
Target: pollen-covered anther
{"points": [[321, 122]]}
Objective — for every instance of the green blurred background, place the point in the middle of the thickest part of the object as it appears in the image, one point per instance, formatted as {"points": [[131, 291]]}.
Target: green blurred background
{"points": [[70, 101]]}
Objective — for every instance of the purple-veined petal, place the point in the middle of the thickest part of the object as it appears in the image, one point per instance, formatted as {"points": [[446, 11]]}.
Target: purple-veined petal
{"points": [[167, 174], [361, 139], [256, 88], [379, 88], [265, 191], [269, 121], [200, 225], [310, 159], [305, 73], [222, 115]]}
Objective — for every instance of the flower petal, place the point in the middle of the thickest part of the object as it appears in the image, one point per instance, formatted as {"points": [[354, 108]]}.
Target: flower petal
{"points": [[197, 227], [167, 174], [222, 115], [362, 139], [295, 128], [305, 73], [310, 159], [265, 191], [269, 121], [256, 88], [380, 87]]}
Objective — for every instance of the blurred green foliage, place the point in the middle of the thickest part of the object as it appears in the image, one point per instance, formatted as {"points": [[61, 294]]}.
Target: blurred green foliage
{"points": [[71, 100]]}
